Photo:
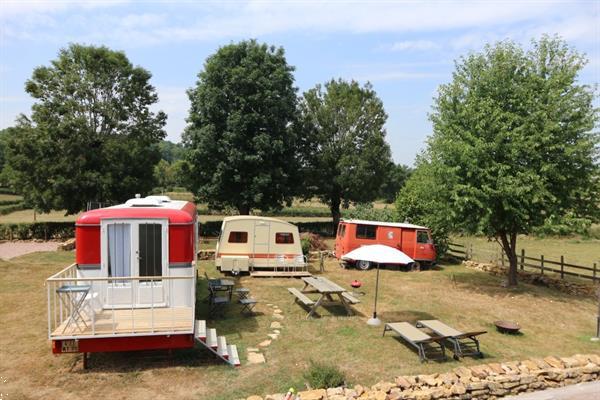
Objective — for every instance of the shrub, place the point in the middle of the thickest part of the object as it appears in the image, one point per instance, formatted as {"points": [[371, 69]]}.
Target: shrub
{"points": [[368, 212], [322, 375], [37, 230], [305, 243]]}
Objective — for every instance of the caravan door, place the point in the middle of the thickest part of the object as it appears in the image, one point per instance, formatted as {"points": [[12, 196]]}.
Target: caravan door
{"points": [[135, 248], [261, 246]]}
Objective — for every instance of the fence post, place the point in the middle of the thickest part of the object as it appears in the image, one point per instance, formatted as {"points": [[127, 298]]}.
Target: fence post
{"points": [[471, 252], [562, 267], [594, 279], [542, 264], [522, 259]]}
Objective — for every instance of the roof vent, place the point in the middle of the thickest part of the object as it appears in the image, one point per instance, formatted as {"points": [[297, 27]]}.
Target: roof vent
{"points": [[145, 202], [161, 199]]}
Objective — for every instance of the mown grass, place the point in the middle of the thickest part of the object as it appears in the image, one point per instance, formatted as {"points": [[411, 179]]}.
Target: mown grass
{"points": [[552, 323], [10, 197]]}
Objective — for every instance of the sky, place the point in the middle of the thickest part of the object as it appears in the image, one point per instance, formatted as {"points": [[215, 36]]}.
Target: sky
{"points": [[406, 49]]}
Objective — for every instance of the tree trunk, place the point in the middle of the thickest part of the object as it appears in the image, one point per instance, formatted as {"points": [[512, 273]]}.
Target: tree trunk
{"points": [[243, 209], [509, 245], [335, 212]]}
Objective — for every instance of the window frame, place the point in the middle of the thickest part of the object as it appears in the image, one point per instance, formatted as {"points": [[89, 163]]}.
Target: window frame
{"points": [[420, 233], [365, 228], [243, 235], [284, 234]]}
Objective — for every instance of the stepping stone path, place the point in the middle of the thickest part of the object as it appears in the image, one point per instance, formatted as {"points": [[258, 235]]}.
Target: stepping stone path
{"points": [[254, 354]]}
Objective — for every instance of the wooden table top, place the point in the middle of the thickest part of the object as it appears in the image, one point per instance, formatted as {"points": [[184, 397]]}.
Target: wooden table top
{"points": [[323, 285]]}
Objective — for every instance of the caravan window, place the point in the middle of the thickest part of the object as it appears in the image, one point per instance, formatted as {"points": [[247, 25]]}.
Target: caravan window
{"points": [[238, 237], [284, 238], [366, 231]]}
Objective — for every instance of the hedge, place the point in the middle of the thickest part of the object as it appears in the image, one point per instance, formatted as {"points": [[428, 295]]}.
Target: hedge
{"points": [[64, 230], [37, 230], [11, 208], [323, 228]]}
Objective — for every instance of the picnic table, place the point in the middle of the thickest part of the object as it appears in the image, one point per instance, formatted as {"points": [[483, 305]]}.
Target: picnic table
{"points": [[327, 290]]}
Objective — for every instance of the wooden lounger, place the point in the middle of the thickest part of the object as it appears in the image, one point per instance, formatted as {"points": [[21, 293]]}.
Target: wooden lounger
{"points": [[464, 344], [415, 337]]}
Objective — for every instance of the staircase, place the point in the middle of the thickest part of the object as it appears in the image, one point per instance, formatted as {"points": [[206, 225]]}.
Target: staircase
{"points": [[216, 344]]}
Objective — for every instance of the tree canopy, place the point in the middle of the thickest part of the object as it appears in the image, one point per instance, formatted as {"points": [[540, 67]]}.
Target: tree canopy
{"points": [[241, 147], [513, 140], [91, 135], [396, 177], [344, 155]]}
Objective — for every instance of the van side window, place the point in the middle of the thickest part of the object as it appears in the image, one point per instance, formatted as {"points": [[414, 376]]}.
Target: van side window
{"points": [[238, 237], [343, 230], [422, 237], [366, 231], [284, 238]]}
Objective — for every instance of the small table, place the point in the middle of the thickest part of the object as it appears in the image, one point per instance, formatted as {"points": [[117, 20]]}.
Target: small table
{"points": [[327, 289], [221, 285], [72, 297]]}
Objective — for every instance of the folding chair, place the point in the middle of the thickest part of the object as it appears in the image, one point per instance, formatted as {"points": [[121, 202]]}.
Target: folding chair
{"points": [[248, 305]]}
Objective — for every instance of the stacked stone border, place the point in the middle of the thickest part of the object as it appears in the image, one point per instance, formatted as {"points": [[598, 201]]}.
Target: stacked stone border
{"points": [[562, 285], [485, 381]]}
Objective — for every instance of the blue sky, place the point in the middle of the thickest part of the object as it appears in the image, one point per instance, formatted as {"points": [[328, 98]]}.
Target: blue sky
{"points": [[406, 49]]}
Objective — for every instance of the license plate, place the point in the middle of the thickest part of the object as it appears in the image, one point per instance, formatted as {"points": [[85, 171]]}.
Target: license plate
{"points": [[70, 346]]}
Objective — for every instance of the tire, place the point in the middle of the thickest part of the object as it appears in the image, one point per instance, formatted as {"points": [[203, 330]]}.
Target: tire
{"points": [[363, 265], [415, 266]]}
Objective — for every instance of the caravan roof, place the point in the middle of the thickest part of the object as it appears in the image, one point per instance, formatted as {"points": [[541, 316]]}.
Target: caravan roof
{"points": [[255, 218]]}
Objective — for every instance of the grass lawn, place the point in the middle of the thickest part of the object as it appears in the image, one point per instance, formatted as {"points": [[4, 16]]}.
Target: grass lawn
{"points": [[11, 197], [552, 323]]}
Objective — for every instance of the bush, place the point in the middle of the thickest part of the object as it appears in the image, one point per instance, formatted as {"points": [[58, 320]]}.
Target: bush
{"points": [[305, 243], [368, 212], [321, 375], [37, 230], [11, 208]]}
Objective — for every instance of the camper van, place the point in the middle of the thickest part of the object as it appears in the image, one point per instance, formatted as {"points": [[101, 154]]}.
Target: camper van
{"points": [[413, 240], [261, 246], [133, 285]]}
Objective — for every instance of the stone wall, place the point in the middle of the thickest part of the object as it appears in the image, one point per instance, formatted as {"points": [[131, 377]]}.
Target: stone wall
{"points": [[485, 381], [563, 285]]}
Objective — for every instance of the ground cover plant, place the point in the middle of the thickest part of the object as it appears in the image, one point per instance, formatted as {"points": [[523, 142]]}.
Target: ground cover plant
{"points": [[553, 323]]}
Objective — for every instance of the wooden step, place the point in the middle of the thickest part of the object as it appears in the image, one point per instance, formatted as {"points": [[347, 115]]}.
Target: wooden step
{"points": [[211, 338], [200, 331], [222, 347], [285, 274], [234, 359]]}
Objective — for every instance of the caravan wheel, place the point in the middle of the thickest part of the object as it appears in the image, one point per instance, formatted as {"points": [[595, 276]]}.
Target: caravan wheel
{"points": [[363, 265]]}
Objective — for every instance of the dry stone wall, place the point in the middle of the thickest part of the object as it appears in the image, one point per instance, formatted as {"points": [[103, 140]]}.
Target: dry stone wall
{"points": [[563, 285], [485, 381]]}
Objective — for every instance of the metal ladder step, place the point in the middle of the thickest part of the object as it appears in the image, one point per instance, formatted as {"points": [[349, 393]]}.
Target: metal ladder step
{"points": [[211, 338], [234, 359], [222, 347], [200, 331]]}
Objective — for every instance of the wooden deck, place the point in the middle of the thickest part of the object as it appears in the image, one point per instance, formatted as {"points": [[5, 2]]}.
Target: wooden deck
{"points": [[127, 321]]}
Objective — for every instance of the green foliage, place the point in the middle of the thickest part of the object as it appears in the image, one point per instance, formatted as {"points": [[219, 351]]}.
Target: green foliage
{"points": [[396, 177], [368, 212], [321, 375], [422, 202], [11, 207], [344, 155], [91, 136], [564, 225], [37, 230], [170, 151], [513, 141], [305, 243], [241, 149]]}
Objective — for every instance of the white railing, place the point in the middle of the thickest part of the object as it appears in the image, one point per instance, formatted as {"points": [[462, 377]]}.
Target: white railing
{"points": [[78, 307]]}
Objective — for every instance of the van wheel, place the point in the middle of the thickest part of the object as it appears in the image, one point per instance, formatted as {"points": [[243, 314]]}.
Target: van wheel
{"points": [[363, 265], [416, 266]]}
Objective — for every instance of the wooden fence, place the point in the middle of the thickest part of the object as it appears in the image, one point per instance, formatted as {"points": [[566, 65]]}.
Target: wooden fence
{"points": [[541, 264]]}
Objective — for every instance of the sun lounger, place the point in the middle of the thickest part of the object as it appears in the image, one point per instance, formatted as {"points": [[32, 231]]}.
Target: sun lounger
{"points": [[464, 344], [416, 337]]}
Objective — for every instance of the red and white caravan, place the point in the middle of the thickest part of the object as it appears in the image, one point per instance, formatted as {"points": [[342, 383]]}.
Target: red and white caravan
{"points": [[133, 284]]}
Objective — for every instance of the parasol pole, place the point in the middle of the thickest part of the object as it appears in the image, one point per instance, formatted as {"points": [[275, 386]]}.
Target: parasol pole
{"points": [[374, 321]]}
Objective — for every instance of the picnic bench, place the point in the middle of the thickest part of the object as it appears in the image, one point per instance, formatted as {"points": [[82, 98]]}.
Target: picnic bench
{"points": [[416, 338], [327, 290]]}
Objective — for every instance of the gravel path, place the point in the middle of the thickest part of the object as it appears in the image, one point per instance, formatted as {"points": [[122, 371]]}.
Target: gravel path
{"points": [[10, 250]]}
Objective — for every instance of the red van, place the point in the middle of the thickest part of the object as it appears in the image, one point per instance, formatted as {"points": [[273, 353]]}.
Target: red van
{"points": [[413, 240]]}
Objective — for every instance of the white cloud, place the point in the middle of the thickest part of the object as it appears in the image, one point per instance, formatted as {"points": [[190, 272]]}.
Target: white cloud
{"points": [[18, 8], [412, 45]]}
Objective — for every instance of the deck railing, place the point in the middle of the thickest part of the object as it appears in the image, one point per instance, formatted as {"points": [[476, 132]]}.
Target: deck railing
{"points": [[79, 315]]}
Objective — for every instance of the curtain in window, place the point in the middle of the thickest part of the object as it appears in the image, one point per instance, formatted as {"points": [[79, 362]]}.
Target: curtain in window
{"points": [[119, 250]]}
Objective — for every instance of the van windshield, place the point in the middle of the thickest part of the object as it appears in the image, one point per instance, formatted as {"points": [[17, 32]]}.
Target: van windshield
{"points": [[422, 237]]}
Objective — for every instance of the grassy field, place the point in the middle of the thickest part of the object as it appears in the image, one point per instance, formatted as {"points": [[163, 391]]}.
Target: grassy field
{"points": [[10, 197], [553, 323]]}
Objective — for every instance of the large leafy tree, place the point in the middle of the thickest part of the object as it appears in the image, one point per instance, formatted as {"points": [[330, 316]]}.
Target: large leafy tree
{"points": [[91, 135], [396, 177], [513, 140], [344, 155], [240, 145]]}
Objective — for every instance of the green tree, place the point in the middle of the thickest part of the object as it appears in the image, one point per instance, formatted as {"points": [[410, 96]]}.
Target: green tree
{"points": [[91, 135], [513, 141], [423, 201], [344, 155], [396, 176], [240, 145], [164, 175], [170, 151]]}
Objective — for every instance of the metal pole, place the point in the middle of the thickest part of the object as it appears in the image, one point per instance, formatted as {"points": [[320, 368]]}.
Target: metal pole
{"points": [[375, 321]]}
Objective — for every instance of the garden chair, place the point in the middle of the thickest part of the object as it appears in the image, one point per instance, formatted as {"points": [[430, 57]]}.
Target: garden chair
{"points": [[463, 344]]}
